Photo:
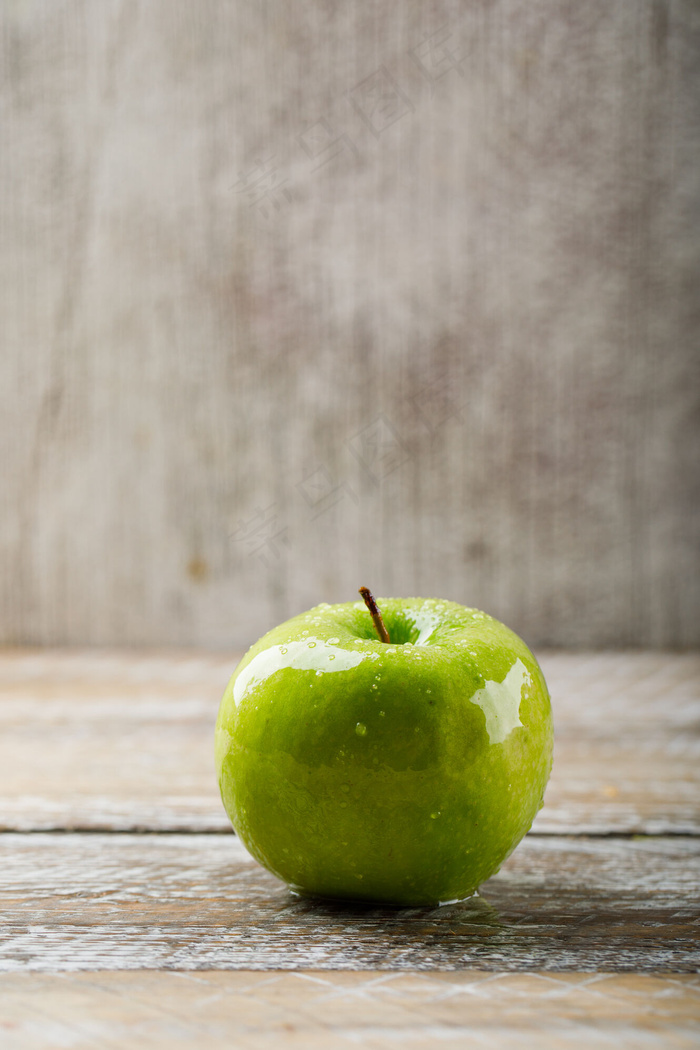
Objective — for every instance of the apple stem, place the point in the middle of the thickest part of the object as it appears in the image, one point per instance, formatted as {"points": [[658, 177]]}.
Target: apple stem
{"points": [[375, 614]]}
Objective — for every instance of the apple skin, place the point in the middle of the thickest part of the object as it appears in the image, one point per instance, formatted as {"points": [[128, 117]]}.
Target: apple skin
{"points": [[400, 773]]}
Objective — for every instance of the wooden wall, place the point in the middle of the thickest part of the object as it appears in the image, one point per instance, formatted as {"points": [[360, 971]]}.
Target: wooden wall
{"points": [[298, 297]]}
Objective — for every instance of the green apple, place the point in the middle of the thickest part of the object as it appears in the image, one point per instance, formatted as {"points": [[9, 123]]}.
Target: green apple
{"points": [[402, 772]]}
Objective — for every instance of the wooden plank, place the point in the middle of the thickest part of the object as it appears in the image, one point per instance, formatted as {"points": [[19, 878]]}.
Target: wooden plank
{"points": [[184, 902], [307, 1009], [627, 744], [106, 740], [123, 741]]}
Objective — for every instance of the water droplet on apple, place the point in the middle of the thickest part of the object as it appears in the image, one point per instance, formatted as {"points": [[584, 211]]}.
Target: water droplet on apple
{"points": [[333, 641], [361, 729], [331, 657], [374, 687], [282, 649], [434, 816], [381, 714], [312, 645]]}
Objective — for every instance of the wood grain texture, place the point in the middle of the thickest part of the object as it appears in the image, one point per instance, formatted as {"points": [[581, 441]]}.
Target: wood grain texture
{"points": [[270, 273], [311, 1010], [184, 902], [123, 742]]}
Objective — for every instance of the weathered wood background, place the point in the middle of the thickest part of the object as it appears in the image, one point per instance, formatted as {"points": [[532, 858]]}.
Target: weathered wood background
{"points": [[299, 297]]}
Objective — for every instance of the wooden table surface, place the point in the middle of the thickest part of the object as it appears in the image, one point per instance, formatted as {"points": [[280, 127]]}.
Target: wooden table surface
{"points": [[132, 916]]}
